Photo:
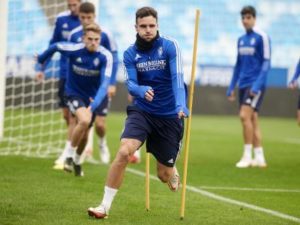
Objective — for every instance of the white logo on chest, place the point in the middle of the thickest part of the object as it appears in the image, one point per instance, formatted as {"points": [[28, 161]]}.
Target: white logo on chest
{"points": [[160, 51], [137, 56], [96, 62], [79, 60]]}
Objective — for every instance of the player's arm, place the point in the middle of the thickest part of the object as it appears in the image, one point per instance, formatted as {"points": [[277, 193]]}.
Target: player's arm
{"points": [[56, 33], [293, 82], [109, 42], [55, 38], [137, 91], [105, 73], [234, 79], [178, 87], [65, 48], [260, 82]]}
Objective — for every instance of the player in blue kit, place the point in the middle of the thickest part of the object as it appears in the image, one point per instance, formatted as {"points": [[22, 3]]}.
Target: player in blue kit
{"points": [[155, 79], [251, 69], [65, 22], [89, 73], [293, 85], [87, 16]]}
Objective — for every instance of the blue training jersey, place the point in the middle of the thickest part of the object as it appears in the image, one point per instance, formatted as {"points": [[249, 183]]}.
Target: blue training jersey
{"points": [[297, 73], [65, 22], [107, 41], [159, 69], [88, 73], [253, 61]]}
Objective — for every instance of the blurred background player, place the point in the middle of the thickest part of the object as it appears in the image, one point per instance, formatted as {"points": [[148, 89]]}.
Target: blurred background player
{"points": [[154, 78], [65, 22], [251, 69], [89, 73], [87, 15], [293, 85]]}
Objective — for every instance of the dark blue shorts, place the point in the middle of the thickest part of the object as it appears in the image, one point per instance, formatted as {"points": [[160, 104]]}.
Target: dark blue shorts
{"points": [[62, 103], [75, 102], [163, 135], [253, 101]]}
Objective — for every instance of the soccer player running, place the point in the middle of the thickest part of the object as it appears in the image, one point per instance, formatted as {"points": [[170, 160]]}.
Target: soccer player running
{"points": [[251, 69], [87, 16], [155, 79], [293, 85], [65, 22], [89, 72]]}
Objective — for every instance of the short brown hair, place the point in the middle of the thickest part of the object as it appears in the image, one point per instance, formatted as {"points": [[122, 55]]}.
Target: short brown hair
{"points": [[248, 10], [92, 27], [145, 11], [87, 7]]}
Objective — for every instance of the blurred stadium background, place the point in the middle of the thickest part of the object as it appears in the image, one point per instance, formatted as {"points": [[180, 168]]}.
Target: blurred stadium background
{"points": [[31, 24]]}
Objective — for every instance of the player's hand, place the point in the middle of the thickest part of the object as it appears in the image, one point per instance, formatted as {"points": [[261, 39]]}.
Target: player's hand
{"points": [[252, 93], [149, 95], [181, 114], [231, 97], [39, 76], [293, 85], [111, 91], [91, 100]]}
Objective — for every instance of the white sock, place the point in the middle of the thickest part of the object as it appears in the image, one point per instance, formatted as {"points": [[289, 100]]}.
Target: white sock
{"points": [[248, 150], [67, 146], [108, 197], [102, 141], [77, 158], [258, 152], [71, 151]]}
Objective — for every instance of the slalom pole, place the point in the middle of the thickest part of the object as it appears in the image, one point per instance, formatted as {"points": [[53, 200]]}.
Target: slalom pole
{"points": [[189, 119], [147, 183]]}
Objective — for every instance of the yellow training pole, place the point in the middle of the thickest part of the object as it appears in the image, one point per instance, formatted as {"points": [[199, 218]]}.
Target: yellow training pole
{"points": [[188, 127], [147, 184]]}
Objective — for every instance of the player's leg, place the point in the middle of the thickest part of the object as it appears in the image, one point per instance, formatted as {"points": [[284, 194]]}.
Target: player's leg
{"points": [[100, 127], [168, 175], [136, 157], [83, 119], [77, 156], [245, 114], [115, 177], [58, 164], [259, 158], [134, 134], [164, 143]]}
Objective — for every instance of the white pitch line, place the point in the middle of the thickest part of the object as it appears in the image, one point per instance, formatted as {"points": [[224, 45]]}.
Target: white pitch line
{"points": [[250, 189], [227, 200]]}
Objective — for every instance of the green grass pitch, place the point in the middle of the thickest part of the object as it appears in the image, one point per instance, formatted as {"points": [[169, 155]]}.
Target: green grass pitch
{"points": [[32, 193]]}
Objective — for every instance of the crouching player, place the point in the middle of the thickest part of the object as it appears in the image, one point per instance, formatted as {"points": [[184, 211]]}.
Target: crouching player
{"points": [[90, 68]]}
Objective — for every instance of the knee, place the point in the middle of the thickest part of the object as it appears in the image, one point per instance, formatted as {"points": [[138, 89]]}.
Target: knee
{"points": [[84, 122], [164, 175], [244, 117], [100, 126], [123, 154]]}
